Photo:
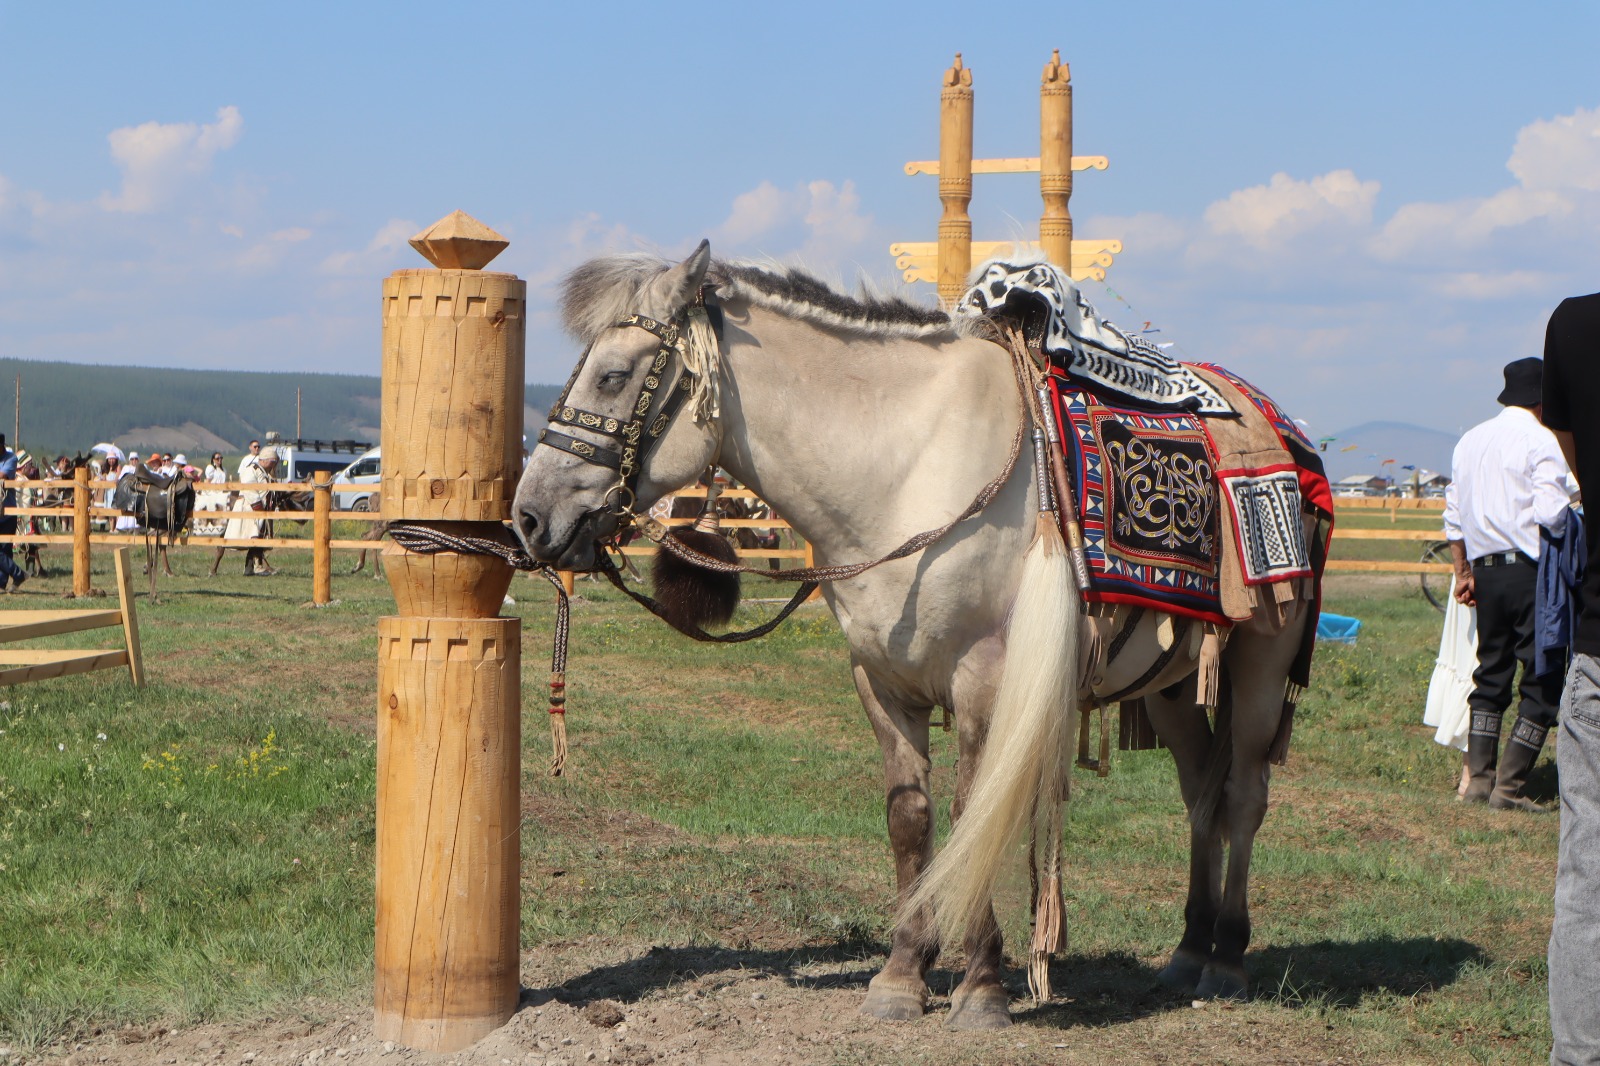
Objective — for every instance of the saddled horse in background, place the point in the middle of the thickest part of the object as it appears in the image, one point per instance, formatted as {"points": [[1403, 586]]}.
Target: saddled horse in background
{"points": [[865, 422]]}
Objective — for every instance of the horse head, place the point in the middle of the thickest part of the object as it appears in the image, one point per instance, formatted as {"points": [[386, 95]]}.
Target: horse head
{"points": [[617, 440]]}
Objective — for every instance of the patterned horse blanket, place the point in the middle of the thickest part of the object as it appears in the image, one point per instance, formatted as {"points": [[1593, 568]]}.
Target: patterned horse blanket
{"points": [[1201, 517]]}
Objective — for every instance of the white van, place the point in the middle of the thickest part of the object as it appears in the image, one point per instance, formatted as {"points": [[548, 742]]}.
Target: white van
{"points": [[356, 486]]}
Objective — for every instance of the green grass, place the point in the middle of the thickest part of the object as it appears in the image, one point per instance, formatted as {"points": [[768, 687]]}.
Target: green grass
{"points": [[184, 867]]}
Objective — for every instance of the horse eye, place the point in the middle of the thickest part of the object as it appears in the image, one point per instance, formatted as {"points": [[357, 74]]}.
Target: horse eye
{"points": [[613, 379]]}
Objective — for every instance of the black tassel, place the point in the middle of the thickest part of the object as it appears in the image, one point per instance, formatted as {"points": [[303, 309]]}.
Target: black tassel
{"points": [[692, 596]]}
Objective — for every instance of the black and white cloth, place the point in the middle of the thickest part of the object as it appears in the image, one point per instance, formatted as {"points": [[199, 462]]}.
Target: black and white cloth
{"points": [[1087, 346]]}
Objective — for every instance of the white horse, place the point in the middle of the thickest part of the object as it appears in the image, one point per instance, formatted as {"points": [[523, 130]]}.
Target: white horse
{"points": [[864, 422]]}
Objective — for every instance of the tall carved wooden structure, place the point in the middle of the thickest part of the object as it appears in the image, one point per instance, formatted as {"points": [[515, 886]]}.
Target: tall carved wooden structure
{"points": [[949, 261], [449, 669]]}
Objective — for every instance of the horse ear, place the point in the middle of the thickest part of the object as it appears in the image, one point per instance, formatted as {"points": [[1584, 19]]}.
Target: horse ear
{"points": [[675, 289]]}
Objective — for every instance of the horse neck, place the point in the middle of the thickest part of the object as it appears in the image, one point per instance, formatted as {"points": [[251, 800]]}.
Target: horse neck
{"points": [[860, 442]]}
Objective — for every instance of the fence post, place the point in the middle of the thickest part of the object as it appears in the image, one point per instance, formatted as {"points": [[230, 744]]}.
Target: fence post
{"points": [[80, 531], [321, 534], [449, 846]]}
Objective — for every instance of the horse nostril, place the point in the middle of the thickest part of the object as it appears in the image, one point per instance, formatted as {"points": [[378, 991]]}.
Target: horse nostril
{"points": [[527, 523]]}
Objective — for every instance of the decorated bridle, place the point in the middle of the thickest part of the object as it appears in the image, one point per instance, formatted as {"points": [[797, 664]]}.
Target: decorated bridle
{"points": [[634, 439]]}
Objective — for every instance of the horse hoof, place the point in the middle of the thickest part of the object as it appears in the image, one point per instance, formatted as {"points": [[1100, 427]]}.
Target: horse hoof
{"points": [[984, 1009], [1183, 973], [1223, 982], [894, 1006]]}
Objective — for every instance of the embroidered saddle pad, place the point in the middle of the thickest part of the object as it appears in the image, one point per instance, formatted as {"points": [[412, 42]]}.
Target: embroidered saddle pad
{"points": [[1201, 517], [1062, 323]]}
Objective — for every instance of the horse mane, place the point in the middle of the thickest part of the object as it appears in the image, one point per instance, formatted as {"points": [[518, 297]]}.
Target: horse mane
{"points": [[600, 292]]}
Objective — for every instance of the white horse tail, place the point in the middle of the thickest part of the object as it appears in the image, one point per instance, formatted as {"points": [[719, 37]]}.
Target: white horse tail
{"points": [[1023, 771]]}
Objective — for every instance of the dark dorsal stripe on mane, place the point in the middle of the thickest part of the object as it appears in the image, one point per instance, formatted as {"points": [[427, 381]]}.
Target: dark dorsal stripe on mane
{"points": [[602, 290]]}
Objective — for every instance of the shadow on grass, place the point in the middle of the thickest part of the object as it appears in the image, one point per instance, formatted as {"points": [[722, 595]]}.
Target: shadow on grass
{"points": [[1089, 990]]}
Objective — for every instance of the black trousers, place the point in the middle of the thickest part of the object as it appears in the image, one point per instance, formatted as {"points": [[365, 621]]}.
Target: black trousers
{"points": [[1505, 638], [9, 570]]}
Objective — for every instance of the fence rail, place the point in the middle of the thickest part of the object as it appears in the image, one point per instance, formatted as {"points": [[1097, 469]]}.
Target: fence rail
{"points": [[81, 513]]}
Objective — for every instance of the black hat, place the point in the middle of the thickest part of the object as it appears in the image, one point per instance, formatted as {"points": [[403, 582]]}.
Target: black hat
{"points": [[1524, 383]]}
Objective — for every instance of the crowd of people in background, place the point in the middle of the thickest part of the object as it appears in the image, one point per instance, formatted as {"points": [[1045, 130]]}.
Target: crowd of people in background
{"points": [[256, 467]]}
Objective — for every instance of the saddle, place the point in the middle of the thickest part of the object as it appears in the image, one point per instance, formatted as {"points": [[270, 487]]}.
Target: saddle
{"points": [[1194, 491], [159, 501]]}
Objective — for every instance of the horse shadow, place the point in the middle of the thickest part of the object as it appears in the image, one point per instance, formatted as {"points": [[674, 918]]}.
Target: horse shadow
{"points": [[1090, 990]]}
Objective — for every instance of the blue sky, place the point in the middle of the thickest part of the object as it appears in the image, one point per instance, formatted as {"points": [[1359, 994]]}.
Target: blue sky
{"points": [[1367, 208]]}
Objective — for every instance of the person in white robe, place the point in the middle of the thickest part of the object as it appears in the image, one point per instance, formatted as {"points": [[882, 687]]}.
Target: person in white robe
{"points": [[248, 527]]}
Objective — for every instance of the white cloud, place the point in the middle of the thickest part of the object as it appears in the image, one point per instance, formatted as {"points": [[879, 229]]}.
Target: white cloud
{"points": [[392, 236], [158, 159], [816, 221], [1559, 153], [1268, 217]]}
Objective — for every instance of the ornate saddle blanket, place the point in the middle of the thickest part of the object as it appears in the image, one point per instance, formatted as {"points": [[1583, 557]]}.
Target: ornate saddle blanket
{"points": [[1059, 321], [1201, 517]]}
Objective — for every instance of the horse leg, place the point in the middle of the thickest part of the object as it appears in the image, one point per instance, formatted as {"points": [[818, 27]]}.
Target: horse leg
{"points": [[899, 991], [1181, 724], [217, 561], [1257, 664]]}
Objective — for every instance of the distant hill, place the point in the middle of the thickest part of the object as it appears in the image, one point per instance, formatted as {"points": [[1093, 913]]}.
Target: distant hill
{"points": [[1401, 441], [70, 407]]}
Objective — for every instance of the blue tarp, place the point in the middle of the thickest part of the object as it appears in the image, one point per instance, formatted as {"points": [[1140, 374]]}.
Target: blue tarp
{"points": [[1338, 628]]}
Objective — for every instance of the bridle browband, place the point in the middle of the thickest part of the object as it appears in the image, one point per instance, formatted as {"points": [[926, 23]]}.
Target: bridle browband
{"points": [[633, 439]]}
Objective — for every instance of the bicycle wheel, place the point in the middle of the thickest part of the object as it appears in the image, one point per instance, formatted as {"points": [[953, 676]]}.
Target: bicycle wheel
{"points": [[1436, 587]]}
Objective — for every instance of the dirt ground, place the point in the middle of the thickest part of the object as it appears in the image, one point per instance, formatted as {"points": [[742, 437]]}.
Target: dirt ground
{"points": [[595, 1002]]}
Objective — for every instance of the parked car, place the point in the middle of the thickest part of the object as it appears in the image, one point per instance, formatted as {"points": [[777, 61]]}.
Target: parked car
{"points": [[298, 460], [355, 487]]}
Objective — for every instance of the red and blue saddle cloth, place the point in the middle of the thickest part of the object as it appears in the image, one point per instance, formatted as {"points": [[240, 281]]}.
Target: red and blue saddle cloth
{"points": [[1149, 494]]}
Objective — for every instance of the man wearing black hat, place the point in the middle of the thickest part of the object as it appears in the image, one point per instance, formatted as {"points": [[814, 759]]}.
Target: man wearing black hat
{"points": [[1507, 478], [1572, 411]]}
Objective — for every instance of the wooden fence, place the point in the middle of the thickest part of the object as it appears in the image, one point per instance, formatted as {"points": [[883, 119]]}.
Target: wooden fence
{"points": [[21, 665], [83, 513]]}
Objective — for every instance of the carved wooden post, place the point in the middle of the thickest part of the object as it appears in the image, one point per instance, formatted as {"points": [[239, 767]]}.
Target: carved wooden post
{"points": [[955, 182], [321, 534], [80, 532], [1055, 162], [449, 670]]}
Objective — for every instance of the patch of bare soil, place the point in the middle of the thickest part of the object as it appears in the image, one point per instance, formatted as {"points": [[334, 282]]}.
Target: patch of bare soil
{"points": [[634, 1005]]}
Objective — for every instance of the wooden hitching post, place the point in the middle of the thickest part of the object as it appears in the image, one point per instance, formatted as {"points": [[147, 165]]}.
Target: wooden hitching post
{"points": [[955, 182], [1055, 162], [449, 669], [80, 532]]}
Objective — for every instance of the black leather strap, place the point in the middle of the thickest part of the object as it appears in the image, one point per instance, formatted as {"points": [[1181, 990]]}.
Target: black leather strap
{"points": [[594, 453]]}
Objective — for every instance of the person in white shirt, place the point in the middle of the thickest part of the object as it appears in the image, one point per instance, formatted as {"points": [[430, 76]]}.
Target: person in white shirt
{"points": [[1507, 478], [260, 471]]}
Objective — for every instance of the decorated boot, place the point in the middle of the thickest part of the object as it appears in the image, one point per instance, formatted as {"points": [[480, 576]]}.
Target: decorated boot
{"points": [[1522, 751], [1483, 750]]}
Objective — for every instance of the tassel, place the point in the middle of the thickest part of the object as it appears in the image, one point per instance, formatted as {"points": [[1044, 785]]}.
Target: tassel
{"points": [[1278, 753], [1209, 674], [1104, 768], [558, 724], [1049, 908]]}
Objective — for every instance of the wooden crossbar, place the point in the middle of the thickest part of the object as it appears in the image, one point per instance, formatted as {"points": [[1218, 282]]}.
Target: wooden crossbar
{"points": [[21, 665]]}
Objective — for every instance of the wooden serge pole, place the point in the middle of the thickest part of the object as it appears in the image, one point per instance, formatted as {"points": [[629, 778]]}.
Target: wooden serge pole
{"points": [[1055, 162], [449, 669], [321, 534], [80, 531], [955, 182]]}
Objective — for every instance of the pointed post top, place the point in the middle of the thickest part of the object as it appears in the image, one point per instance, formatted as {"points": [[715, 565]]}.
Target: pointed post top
{"points": [[1055, 70], [958, 75], [459, 242]]}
